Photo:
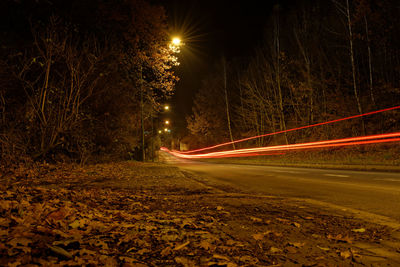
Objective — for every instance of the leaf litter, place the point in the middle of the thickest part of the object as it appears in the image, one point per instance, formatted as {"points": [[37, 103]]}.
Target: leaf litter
{"points": [[134, 214]]}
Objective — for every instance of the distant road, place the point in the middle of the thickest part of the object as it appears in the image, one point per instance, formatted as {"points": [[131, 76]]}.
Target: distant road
{"points": [[372, 192]]}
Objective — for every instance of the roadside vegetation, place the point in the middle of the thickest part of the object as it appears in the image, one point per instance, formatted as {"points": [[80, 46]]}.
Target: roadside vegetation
{"points": [[319, 61], [77, 77]]}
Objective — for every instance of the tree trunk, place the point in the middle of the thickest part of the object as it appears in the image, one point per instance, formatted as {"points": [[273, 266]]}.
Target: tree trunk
{"points": [[227, 105], [353, 67], [278, 78], [371, 85]]}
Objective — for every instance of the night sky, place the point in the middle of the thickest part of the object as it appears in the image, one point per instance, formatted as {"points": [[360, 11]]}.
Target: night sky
{"points": [[210, 30]]}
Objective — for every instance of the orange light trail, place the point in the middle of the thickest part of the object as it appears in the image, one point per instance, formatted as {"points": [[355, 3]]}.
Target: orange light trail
{"points": [[290, 130], [351, 141]]}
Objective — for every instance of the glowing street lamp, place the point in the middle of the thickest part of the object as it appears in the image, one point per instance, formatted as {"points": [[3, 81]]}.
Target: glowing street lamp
{"points": [[159, 131], [165, 129], [176, 41], [166, 107], [175, 44], [167, 122]]}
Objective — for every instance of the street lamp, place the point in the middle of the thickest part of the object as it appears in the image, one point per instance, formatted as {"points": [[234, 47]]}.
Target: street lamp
{"points": [[167, 122], [166, 107], [175, 44], [176, 41]]}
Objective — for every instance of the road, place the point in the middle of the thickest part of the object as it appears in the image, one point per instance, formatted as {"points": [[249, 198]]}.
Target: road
{"points": [[372, 192]]}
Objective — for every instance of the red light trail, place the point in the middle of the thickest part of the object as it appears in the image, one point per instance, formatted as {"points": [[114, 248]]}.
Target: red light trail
{"points": [[290, 130], [351, 141]]}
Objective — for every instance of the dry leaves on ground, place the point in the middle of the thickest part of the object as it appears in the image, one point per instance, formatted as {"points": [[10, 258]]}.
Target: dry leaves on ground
{"points": [[128, 214]]}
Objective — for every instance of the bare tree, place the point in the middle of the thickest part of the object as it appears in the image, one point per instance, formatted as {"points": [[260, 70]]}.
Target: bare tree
{"points": [[345, 10], [277, 55], [57, 82], [227, 103]]}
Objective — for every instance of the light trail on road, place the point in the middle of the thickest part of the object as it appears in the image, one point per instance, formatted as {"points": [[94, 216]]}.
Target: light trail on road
{"points": [[351, 141], [289, 130]]}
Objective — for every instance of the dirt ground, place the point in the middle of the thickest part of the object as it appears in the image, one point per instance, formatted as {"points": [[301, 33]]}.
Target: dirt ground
{"points": [[135, 214]]}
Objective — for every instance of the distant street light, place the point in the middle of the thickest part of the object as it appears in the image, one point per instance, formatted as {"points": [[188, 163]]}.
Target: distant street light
{"points": [[166, 130], [166, 107], [159, 131], [167, 122]]}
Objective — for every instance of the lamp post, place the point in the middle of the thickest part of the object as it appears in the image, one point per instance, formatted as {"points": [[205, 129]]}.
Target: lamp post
{"points": [[174, 45]]}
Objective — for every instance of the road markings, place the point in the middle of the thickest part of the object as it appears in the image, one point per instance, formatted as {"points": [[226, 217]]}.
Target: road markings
{"points": [[336, 175], [287, 171], [387, 179]]}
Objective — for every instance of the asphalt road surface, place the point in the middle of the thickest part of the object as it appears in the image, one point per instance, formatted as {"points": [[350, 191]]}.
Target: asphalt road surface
{"points": [[372, 192]]}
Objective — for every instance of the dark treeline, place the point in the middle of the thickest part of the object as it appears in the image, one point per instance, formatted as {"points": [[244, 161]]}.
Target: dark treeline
{"points": [[71, 74], [320, 60]]}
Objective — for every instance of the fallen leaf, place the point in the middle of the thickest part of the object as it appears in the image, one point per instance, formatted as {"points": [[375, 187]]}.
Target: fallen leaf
{"points": [[255, 219], [85, 252], [205, 245], [275, 250], [359, 230], [231, 242], [220, 257], [98, 243], [291, 249], [340, 238], [137, 217], [296, 224], [3, 232], [14, 264], [19, 241], [296, 244], [323, 248], [259, 236], [143, 251], [172, 237], [130, 249], [345, 254], [4, 222], [248, 259], [186, 222], [65, 242], [60, 251], [166, 251], [127, 225], [354, 253], [77, 224], [182, 245], [128, 259], [184, 261], [59, 214], [282, 220], [149, 228]]}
